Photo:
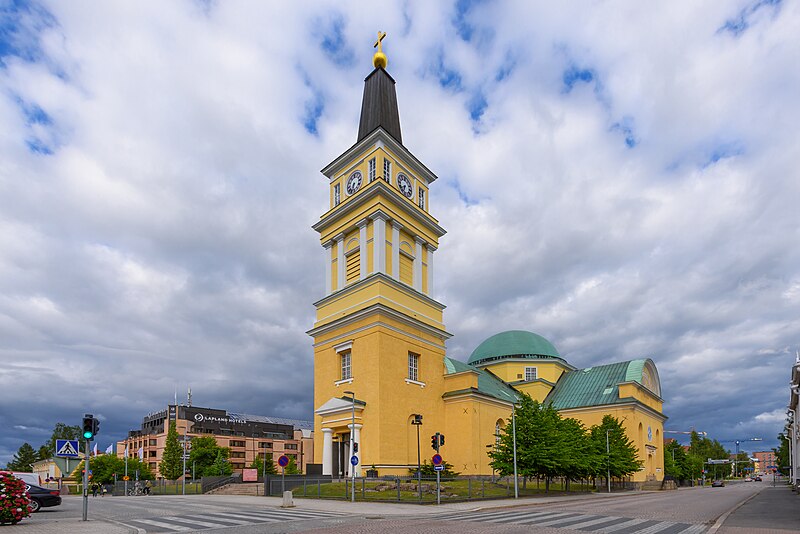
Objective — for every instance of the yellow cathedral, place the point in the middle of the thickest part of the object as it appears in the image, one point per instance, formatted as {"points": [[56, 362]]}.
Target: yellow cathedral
{"points": [[379, 339]]}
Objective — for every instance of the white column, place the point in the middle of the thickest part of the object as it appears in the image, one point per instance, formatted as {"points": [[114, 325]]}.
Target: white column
{"points": [[396, 227], [356, 439], [379, 242], [328, 266], [362, 248], [340, 266], [417, 281], [431, 249], [327, 451]]}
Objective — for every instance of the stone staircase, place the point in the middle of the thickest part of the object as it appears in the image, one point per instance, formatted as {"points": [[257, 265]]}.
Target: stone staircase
{"points": [[245, 488], [657, 485]]}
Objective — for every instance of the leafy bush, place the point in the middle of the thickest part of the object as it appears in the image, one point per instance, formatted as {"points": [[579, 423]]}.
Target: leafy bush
{"points": [[13, 499]]}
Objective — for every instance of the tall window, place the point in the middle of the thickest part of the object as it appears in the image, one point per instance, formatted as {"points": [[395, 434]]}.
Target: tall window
{"points": [[346, 368], [530, 374], [413, 366], [421, 195], [372, 170], [337, 194], [387, 170]]}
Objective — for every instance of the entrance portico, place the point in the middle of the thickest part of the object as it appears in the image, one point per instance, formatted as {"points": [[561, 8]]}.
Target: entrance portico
{"points": [[337, 426]]}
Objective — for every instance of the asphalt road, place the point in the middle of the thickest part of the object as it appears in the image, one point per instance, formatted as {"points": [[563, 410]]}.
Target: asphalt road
{"points": [[686, 511]]}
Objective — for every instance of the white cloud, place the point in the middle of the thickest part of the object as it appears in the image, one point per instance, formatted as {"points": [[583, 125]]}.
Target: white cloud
{"points": [[170, 227]]}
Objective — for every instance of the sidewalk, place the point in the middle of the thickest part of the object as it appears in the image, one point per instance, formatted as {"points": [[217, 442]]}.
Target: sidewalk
{"points": [[773, 510], [66, 526]]}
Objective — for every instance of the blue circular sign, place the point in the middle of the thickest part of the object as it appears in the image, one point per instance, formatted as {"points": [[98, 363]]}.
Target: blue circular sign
{"points": [[354, 460], [437, 459], [283, 461]]}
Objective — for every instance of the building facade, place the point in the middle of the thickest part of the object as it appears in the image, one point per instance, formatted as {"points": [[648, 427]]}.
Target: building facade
{"points": [[379, 337], [247, 436], [764, 461]]}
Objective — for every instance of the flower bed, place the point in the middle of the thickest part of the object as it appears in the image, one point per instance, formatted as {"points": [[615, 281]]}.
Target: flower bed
{"points": [[13, 499]]}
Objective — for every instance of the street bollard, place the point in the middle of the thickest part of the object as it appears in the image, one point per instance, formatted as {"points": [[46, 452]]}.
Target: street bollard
{"points": [[287, 500]]}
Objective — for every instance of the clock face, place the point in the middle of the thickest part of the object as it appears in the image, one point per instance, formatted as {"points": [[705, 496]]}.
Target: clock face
{"points": [[354, 182], [405, 185]]}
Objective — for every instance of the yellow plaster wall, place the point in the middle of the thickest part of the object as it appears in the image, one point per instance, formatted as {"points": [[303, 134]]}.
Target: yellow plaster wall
{"points": [[640, 393], [470, 427], [509, 370], [537, 390]]}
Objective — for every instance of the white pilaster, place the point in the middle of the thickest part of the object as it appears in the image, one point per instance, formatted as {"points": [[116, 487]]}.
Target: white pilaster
{"points": [[340, 266], [417, 276], [328, 266], [327, 451], [362, 248], [431, 249], [396, 227], [379, 242]]}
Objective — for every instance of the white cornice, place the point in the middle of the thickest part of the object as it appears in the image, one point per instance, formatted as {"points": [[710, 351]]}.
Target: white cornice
{"points": [[380, 277], [373, 190], [379, 135]]}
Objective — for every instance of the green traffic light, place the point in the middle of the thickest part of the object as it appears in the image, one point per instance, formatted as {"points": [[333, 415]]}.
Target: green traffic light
{"points": [[87, 435]]}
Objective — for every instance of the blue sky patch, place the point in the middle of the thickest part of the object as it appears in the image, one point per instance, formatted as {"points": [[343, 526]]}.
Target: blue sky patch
{"points": [[723, 151], [573, 75], [334, 42], [313, 107], [463, 28], [456, 185], [20, 25], [476, 106], [505, 70], [625, 127], [38, 146], [742, 21], [448, 78]]}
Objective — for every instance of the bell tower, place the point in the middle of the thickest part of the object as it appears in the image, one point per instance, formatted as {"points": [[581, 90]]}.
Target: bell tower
{"points": [[379, 340]]}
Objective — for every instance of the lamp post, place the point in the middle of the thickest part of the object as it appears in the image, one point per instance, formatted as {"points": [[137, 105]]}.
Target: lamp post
{"points": [[514, 434], [417, 421], [608, 460], [352, 441], [736, 459]]}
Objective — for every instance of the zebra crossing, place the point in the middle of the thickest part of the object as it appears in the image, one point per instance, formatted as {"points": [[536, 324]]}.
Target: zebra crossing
{"points": [[192, 522], [576, 521]]}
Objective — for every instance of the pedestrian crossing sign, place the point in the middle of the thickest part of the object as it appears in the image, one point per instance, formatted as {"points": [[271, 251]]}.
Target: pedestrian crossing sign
{"points": [[67, 448]]}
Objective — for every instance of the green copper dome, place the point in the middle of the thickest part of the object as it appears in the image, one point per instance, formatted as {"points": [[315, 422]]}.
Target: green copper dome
{"points": [[514, 343]]}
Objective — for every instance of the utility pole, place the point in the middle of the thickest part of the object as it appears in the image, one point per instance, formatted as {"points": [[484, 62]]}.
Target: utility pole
{"points": [[514, 435], [608, 461]]}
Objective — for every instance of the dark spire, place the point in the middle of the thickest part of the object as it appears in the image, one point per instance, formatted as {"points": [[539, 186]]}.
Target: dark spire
{"points": [[379, 106]]}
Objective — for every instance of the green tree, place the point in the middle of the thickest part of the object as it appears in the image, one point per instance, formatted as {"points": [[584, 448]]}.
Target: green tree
{"points": [[104, 466], [204, 453], [258, 463], [679, 468], [291, 467], [23, 459], [578, 458], [221, 466], [782, 452], [171, 466], [700, 450], [618, 454]]}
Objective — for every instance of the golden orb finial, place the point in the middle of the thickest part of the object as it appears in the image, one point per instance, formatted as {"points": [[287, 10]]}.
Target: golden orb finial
{"points": [[379, 59]]}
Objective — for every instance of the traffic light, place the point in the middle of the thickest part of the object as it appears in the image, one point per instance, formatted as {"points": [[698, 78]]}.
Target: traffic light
{"points": [[441, 440], [88, 427], [95, 426], [355, 447], [435, 442]]}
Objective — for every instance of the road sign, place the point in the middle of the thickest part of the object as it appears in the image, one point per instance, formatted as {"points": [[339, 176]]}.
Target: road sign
{"points": [[716, 462], [354, 460], [126, 478], [67, 448], [283, 461], [436, 459], [438, 468]]}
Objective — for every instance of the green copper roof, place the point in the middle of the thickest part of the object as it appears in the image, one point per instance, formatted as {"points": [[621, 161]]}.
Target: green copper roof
{"points": [[513, 343], [595, 386], [488, 384]]}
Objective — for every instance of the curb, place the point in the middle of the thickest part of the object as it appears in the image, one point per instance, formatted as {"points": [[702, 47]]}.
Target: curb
{"points": [[721, 519]]}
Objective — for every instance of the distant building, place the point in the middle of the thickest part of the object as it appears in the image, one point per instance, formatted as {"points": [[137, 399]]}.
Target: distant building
{"points": [[764, 459], [247, 436]]}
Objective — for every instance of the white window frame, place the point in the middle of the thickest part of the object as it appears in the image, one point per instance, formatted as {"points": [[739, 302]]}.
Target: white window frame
{"points": [[337, 194], [413, 367], [346, 365], [387, 170], [371, 165], [421, 196], [535, 373]]}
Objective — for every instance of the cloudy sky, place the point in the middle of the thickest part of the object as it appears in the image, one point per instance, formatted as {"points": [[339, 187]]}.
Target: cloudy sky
{"points": [[619, 177]]}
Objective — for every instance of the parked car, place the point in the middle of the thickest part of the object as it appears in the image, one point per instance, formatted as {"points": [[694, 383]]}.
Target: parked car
{"points": [[757, 478], [42, 497], [748, 479], [719, 483]]}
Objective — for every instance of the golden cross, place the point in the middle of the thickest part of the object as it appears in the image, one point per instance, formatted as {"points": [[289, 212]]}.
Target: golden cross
{"points": [[381, 35]]}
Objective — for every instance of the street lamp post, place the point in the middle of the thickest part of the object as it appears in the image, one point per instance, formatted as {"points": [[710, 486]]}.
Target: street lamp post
{"points": [[514, 433], [417, 421], [736, 459], [352, 441], [608, 460]]}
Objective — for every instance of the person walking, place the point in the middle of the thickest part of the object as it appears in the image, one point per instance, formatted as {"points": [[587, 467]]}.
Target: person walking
{"points": [[95, 487]]}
